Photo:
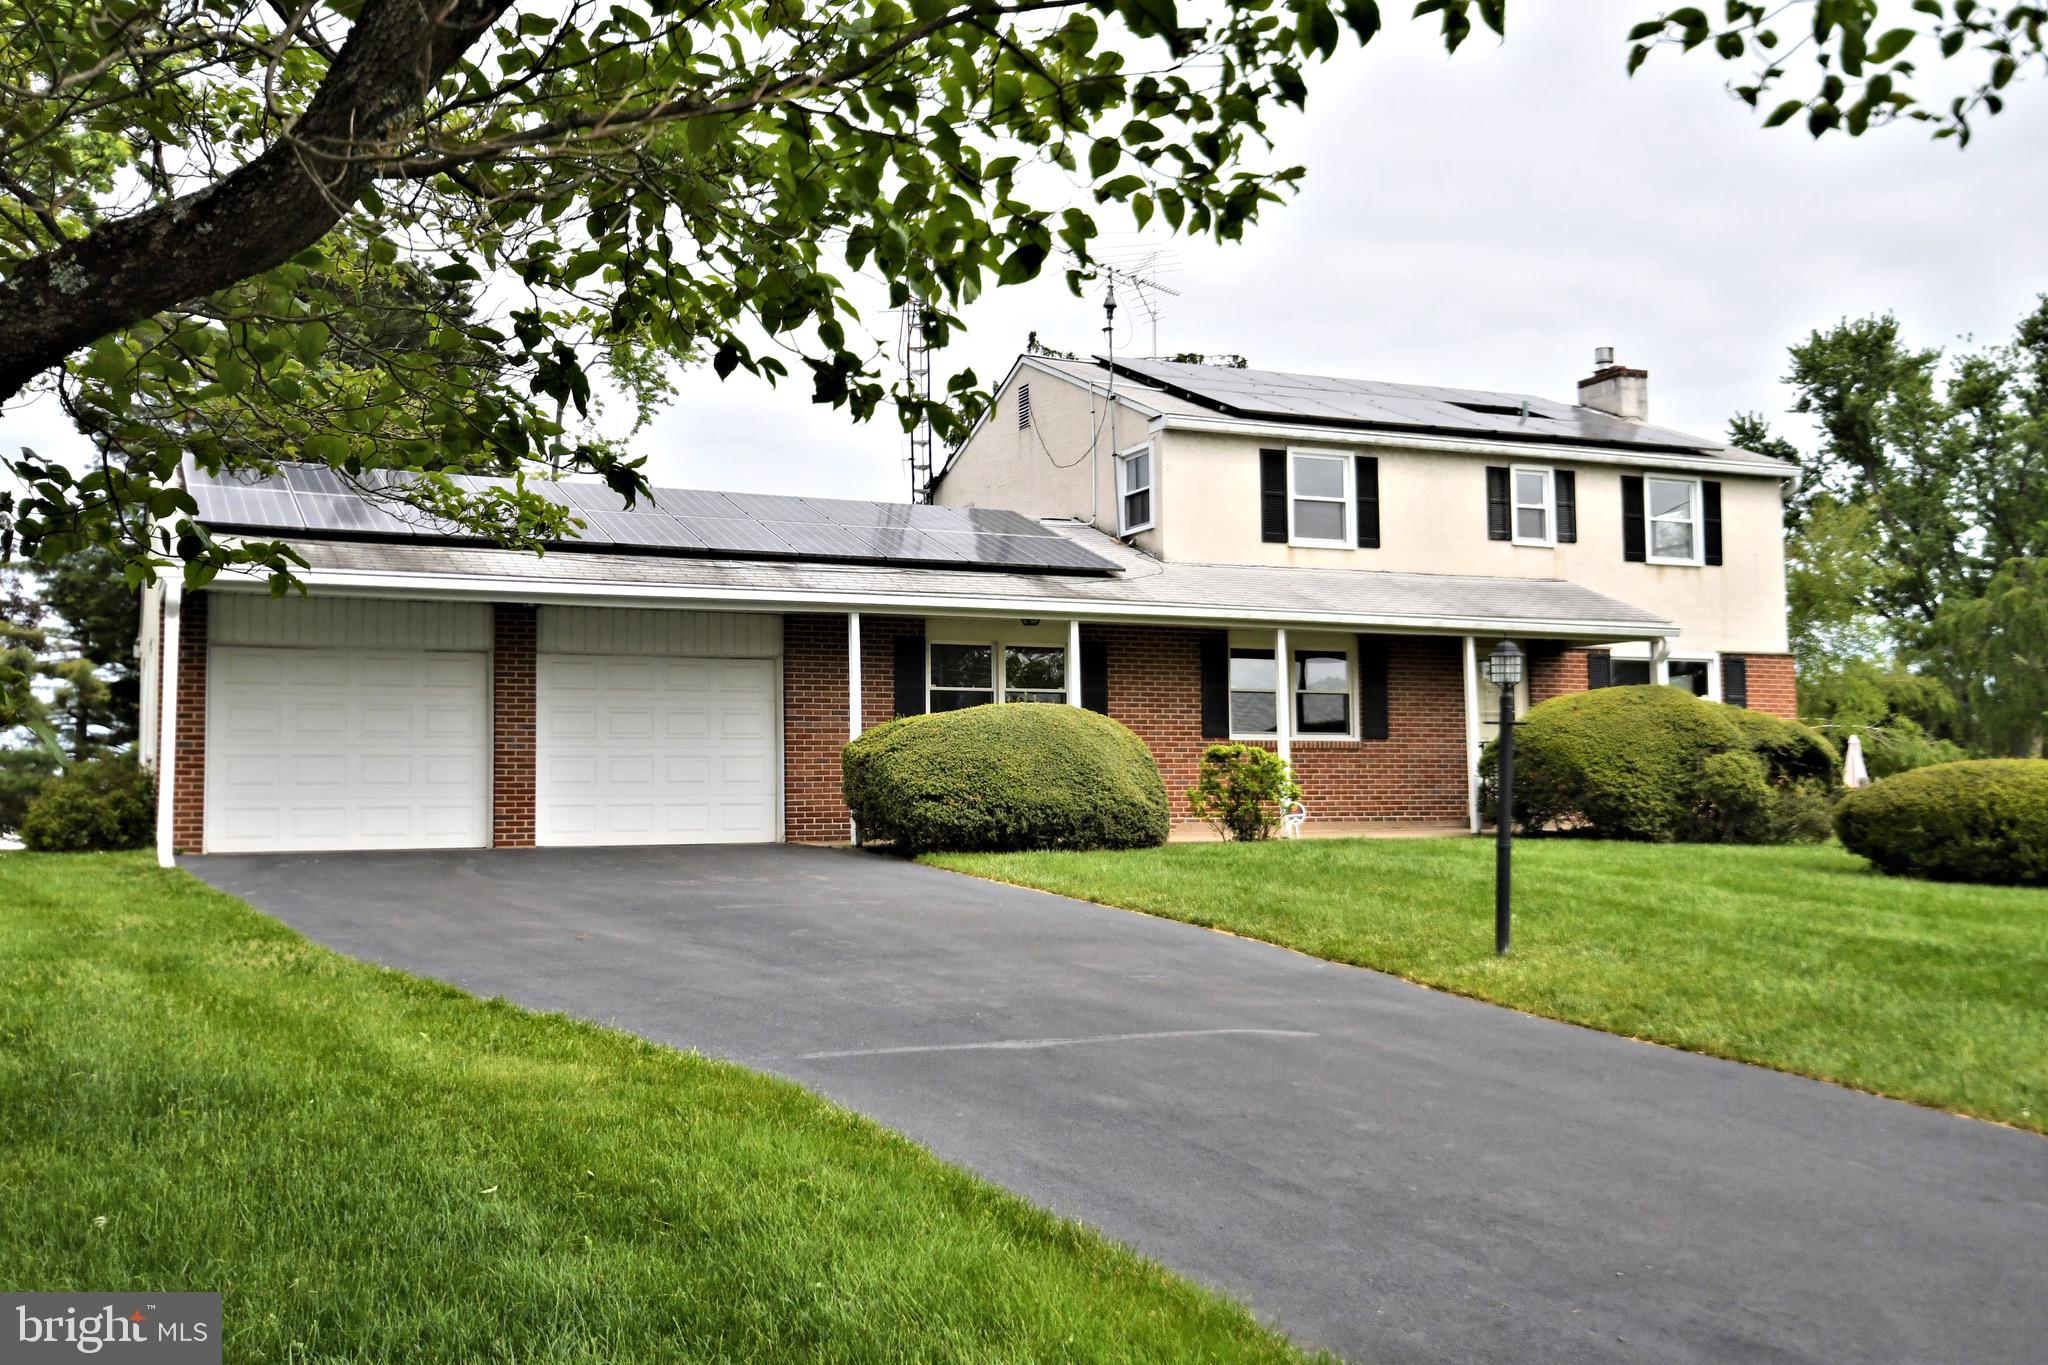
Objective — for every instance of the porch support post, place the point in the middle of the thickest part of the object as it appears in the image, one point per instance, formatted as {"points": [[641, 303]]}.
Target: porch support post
{"points": [[853, 707], [1074, 662], [1472, 739], [167, 720], [1660, 657], [1283, 700]]}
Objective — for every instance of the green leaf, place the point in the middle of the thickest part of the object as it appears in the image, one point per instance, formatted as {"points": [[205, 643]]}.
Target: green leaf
{"points": [[1103, 156], [1892, 44], [1784, 113], [312, 340]]}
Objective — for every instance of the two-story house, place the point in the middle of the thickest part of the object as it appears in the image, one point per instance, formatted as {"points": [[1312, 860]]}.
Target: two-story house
{"points": [[1201, 553]]}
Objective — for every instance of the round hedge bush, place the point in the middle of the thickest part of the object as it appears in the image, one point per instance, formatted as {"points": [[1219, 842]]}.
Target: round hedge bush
{"points": [[1643, 763], [1979, 821], [102, 804], [1005, 777]]}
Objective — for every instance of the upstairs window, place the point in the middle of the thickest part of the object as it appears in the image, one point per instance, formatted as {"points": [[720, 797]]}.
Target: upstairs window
{"points": [[1134, 491], [1319, 499], [1535, 505], [1673, 507]]}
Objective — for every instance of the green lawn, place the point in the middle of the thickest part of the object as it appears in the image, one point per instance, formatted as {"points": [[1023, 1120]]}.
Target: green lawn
{"points": [[375, 1168], [1797, 958]]}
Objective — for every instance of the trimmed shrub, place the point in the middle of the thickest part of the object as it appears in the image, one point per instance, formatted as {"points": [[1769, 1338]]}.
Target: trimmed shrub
{"points": [[1242, 789], [1646, 763], [1979, 821], [23, 773], [101, 804], [1004, 777]]}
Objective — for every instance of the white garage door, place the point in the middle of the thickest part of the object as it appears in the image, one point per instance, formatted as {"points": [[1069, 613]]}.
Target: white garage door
{"points": [[635, 749], [346, 748]]}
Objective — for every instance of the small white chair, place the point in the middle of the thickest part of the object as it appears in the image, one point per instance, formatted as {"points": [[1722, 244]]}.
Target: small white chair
{"points": [[1292, 819]]}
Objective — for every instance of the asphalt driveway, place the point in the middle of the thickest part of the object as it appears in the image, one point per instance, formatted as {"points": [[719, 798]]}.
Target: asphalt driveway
{"points": [[1384, 1170]]}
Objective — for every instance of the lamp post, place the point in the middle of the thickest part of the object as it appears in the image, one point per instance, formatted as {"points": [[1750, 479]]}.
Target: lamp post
{"points": [[1503, 668]]}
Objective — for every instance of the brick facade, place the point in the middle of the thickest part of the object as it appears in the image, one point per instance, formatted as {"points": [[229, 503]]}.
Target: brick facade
{"points": [[513, 628], [1773, 689], [814, 724], [188, 789], [1416, 773], [1555, 671]]}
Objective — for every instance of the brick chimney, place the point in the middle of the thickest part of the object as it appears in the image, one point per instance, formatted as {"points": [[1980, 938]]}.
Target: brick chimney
{"points": [[1616, 389]]}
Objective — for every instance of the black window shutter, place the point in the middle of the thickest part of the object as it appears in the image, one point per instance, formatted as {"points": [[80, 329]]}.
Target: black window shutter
{"points": [[1366, 469], [1710, 507], [1599, 669], [1499, 523], [910, 675], [1095, 675], [1372, 687], [1215, 685], [1735, 680], [1273, 496], [1634, 546], [1566, 486]]}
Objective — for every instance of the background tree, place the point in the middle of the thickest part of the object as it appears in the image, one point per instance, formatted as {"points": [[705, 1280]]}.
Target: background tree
{"points": [[1917, 557], [200, 195]]}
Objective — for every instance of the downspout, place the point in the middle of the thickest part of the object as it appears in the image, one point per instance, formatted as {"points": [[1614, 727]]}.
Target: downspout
{"points": [[167, 753]]}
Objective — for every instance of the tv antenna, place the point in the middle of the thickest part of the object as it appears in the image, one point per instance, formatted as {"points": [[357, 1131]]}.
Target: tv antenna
{"points": [[913, 349]]}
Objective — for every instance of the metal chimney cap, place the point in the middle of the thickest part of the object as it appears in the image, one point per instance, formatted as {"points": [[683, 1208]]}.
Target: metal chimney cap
{"points": [[1603, 356]]}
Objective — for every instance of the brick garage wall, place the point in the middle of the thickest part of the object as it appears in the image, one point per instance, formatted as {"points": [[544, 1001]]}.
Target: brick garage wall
{"points": [[188, 789], [1416, 773], [814, 727], [513, 636], [1773, 688]]}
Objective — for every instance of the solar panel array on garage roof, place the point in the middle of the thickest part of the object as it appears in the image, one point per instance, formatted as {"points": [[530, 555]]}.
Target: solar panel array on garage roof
{"points": [[690, 521], [1375, 405]]}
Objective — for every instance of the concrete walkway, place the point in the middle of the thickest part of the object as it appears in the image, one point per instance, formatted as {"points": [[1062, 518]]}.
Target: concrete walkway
{"points": [[1383, 1170]]}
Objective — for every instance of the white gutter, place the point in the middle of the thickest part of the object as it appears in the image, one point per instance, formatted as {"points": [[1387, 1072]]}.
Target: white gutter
{"points": [[459, 587], [1440, 445], [167, 757]]}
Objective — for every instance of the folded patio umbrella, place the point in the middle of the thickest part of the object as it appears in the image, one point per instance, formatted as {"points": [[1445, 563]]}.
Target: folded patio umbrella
{"points": [[1854, 774]]}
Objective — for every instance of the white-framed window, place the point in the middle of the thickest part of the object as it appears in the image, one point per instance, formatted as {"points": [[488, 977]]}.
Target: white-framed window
{"points": [[1319, 498], [1533, 491], [1321, 687], [961, 675], [1134, 490], [1671, 510], [1699, 675]]}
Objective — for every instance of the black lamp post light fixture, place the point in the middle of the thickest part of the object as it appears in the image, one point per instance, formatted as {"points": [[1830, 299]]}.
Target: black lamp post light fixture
{"points": [[1503, 668]]}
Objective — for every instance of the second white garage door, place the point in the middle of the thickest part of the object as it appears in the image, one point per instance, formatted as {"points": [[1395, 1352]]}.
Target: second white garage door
{"points": [[634, 749]]}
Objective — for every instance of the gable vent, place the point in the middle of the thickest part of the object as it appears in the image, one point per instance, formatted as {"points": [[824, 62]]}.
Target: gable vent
{"points": [[1023, 406]]}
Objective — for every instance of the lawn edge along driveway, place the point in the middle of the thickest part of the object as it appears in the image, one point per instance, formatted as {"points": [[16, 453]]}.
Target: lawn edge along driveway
{"points": [[1800, 959], [373, 1166]]}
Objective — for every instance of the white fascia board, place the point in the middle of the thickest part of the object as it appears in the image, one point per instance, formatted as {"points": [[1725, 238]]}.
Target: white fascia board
{"points": [[1550, 452], [460, 588]]}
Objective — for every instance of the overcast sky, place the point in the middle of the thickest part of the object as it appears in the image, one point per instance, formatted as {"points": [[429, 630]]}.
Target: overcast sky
{"points": [[1485, 221]]}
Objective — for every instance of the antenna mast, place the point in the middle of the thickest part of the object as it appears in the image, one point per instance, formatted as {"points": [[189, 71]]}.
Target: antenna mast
{"points": [[913, 348]]}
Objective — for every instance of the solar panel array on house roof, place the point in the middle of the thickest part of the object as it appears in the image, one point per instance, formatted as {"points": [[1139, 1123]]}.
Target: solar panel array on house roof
{"points": [[1375, 405], [677, 521]]}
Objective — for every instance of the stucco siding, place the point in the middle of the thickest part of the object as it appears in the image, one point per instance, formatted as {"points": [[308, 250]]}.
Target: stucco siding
{"points": [[1433, 520]]}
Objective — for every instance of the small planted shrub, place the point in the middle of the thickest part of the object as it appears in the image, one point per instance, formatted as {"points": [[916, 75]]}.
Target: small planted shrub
{"points": [[1242, 790], [1980, 821], [1657, 763], [1005, 777], [98, 805]]}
